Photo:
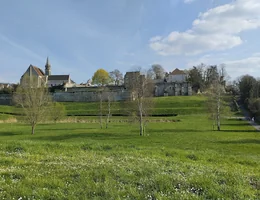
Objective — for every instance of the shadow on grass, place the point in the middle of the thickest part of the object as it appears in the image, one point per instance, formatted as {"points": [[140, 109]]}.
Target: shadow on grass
{"points": [[244, 141], [64, 129], [236, 119], [244, 124], [172, 130], [244, 131], [93, 136], [8, 134]]}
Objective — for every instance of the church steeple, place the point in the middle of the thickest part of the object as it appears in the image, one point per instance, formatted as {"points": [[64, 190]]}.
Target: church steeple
{"points": [[47, 68]]}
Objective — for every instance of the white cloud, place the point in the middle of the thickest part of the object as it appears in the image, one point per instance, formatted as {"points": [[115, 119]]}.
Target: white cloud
{"points": [[235, 68], [250, 65], [217, 29]]}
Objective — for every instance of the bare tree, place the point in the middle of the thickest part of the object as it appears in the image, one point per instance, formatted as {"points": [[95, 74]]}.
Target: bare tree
{"points": [[141, 90], [116, 76], [57, 111], [156, 72], [108, 108], [105, 99], [34, 98]]}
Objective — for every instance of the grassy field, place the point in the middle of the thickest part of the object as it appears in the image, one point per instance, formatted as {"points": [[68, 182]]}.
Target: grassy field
{"points": [[176, 160]]}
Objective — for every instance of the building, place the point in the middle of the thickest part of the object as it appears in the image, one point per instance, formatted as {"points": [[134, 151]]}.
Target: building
{"points": [[175, 84], [46, 78], [177, 75]]}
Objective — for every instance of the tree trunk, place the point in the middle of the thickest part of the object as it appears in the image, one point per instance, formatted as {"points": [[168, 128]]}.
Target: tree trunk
{"points": [[33, 128], [218, 112], [141, 118], [109, 112], [141, 127], [144, 129], [100, 110]]}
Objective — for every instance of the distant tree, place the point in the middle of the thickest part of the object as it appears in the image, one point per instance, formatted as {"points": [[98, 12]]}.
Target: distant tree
{"points": [[57, 111], [246, 86], [156, 72], [211, 74], [233, 88], [34, 99], [105, 101], [6, 91], [196, 78], [101, 77], [141, 103], [256, 89], [254, 108], [116, 76]]}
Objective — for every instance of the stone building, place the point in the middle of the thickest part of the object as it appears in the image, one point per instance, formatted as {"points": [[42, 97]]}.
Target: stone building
{"points": [[47, 78], [178, 76], [175, 84]]}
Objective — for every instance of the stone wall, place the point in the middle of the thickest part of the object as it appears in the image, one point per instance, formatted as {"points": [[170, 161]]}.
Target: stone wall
{"points": [[5, 99], [116, 93], [119, 93], [172, 89], [85, 96]]}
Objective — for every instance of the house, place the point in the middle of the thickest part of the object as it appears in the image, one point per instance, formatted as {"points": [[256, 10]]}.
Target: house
{"points": [[46, 78], [174, 84], [177, 75]]}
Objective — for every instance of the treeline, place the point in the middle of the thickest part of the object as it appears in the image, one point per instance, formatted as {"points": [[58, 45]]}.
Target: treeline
{"points": [[249, 90], [203, 76]]}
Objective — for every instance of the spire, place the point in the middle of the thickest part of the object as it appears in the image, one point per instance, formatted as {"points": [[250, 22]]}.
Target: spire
{"points": [[47, 62], [47, 67]]}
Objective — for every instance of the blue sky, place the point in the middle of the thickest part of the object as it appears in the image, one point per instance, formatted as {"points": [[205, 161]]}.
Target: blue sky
{"points": [[80, 36]]}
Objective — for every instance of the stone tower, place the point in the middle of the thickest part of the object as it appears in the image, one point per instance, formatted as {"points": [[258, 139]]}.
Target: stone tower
{"points": [[47, 68]]}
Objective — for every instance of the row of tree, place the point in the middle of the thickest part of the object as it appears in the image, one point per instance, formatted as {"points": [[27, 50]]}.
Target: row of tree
{"points": [[102, 77], [203, 76], [249, 89]]}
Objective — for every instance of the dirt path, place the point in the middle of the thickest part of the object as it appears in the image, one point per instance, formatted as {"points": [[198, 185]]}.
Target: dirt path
{"points": [[248, 118]]}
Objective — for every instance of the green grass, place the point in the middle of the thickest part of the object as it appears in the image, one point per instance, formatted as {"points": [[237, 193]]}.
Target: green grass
{"points": [[163, 105], [183, 105], [175, 160]]}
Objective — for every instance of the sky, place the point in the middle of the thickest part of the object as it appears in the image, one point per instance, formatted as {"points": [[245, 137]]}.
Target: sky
{"points": [[81, 36]]}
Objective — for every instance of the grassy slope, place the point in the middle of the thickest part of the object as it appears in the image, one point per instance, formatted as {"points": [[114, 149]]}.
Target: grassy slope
{"points": [[181, 160], [163, 105]]}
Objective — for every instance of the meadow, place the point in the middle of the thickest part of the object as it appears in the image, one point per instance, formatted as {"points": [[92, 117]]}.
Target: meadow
{"points": [[181, 157]]}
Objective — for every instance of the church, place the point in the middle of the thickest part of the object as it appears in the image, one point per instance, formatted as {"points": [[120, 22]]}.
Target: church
{"points": [[47, 78]]}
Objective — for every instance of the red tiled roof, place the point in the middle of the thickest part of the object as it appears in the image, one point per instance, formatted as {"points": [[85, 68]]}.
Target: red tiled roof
{"points": [[38, 71], [177, 72]]}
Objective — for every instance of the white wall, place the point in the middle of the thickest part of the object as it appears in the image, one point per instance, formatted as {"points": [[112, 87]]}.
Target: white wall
{"points": [[177, 78]]}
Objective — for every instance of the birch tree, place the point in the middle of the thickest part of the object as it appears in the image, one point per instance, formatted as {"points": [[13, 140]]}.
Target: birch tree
{"points": [[214, 103]]}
